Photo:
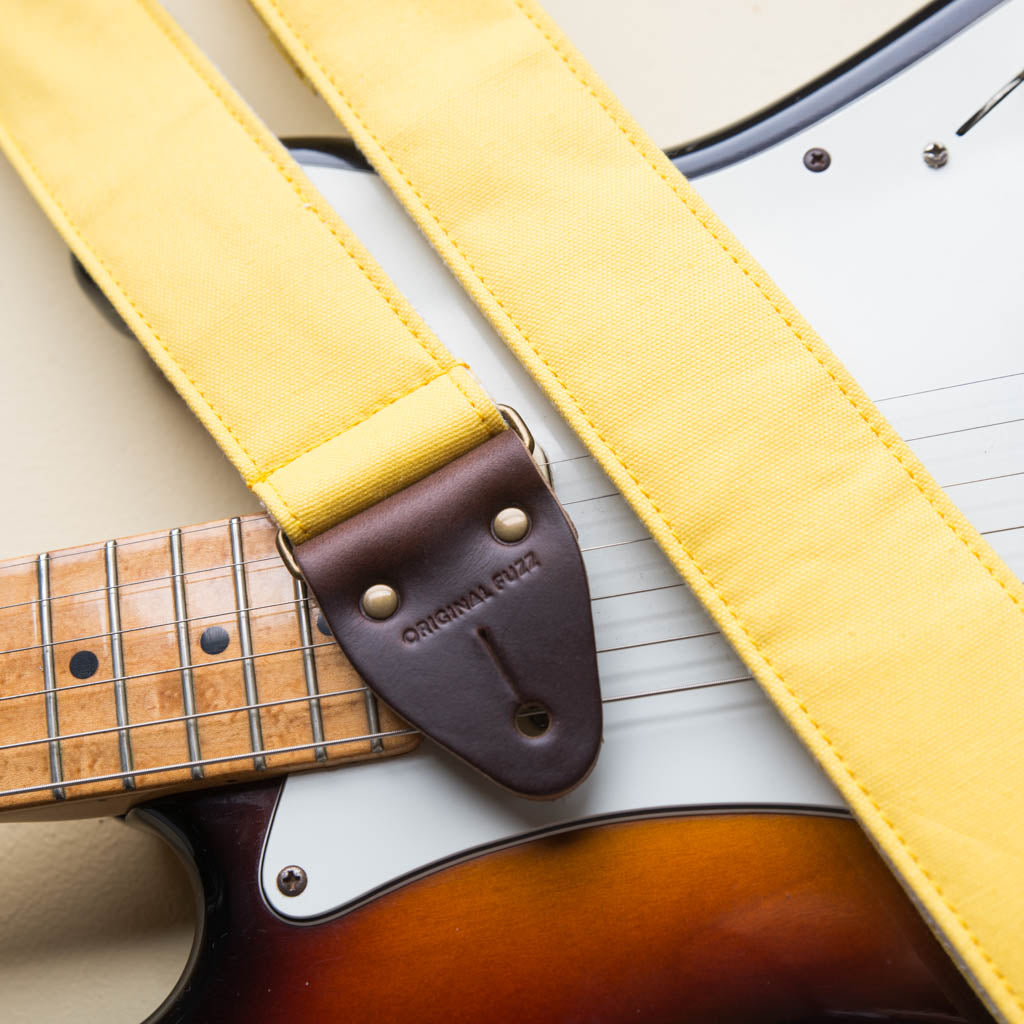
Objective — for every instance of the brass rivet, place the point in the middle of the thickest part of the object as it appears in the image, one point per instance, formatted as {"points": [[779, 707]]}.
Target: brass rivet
{"points": [[380, 601], [510, 525]]}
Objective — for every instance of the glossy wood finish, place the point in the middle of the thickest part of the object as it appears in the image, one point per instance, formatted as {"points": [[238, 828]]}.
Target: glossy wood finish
{"points": [[723, 918], [118, 603]]}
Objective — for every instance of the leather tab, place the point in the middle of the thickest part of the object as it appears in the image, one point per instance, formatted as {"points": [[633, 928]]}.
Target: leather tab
{"points": [[485, 630]]}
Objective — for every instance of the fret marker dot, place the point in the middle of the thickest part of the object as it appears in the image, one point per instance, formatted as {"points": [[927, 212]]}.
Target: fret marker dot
{"points": [[214, 639], [321, 624], [84, 664]]}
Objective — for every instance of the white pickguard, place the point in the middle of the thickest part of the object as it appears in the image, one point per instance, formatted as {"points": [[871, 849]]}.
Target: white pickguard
{"points": [[914, 276]]}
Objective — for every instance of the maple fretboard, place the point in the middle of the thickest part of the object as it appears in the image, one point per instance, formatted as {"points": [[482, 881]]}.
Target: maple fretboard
{"points": [[171, 659]]}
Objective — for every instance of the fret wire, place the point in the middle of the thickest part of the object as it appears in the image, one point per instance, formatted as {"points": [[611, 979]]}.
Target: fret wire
{"points": [[124, 746], [188, 692], [49, 676], [386, 734], [373, 721], [245, 642], [316, 721]]}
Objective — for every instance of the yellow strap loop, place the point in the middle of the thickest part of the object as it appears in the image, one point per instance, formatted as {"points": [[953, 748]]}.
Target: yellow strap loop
{"points": [[315, 376], [883, 626]]}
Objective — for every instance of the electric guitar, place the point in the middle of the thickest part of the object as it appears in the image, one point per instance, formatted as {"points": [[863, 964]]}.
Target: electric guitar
{"points": [[706, 870]]}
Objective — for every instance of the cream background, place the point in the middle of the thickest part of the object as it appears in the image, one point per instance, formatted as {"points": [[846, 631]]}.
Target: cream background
{"points": [[96, 917]]}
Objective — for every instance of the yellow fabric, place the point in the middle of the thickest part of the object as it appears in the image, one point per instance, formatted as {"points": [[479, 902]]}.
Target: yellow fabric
{"points": [[308, 367], [883, 626]]}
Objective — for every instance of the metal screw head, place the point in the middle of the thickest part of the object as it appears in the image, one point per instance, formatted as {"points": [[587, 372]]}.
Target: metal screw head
{"points": [[510, 525], [291, 880], [817, 159], [379, 601], [936, 155]]}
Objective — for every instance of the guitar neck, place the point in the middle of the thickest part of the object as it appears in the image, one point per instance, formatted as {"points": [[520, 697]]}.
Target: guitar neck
{"points": [[172, 660]]}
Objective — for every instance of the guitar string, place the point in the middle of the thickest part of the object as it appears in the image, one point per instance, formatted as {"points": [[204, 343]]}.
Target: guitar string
{"points": [[325, 696], [157, 538], [294, 748], [964, 430], [879, 401], [131, 726], [173, 669], [141, 583], [190, 531], [230, 613], [281, 604], [198, 666], [275, 558], [958, 483], [303, 699], [950, 387], [203, 762], [228, 566]]}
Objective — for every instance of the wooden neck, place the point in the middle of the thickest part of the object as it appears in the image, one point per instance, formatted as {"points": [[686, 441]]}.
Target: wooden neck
{"points": [[171, 660]]}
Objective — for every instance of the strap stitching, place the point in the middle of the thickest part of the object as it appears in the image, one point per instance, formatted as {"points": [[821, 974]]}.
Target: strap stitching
{"points": [[764, 294], [264, 479], [86, 247], [309, 200], [682, 547], [280, 497], [469, 398], [156, 337], [351, 426]]}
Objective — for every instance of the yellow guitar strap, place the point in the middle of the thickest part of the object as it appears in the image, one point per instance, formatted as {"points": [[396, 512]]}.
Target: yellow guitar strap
{"points": [[883, 626], [313, 373]]}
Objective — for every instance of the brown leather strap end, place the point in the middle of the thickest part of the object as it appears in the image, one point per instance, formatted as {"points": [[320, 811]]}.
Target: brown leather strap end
{"points": [[463, 602]]}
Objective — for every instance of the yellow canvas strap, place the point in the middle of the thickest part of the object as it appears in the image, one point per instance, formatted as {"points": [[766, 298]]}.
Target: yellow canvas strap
{"points": [[313, 373], [886, 630]]}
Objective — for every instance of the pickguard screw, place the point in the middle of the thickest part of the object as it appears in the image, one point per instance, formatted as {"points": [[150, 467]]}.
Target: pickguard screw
{"points": [[817, 160], [936, 155], [291, 880]]}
